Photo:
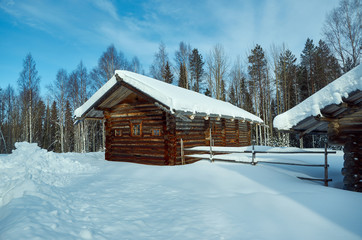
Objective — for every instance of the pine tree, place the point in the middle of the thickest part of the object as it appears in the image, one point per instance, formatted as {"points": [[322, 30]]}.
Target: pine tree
{"points": [[182, 82], [308, 62], [257, 72], [259, 87], [182, 57], [196, 69], [232, 95], [327, 67], [207, 92], [2, 122], [69, 129], [167, 74], [288, 80], [54, 129], [39, 123], [47, 128]]}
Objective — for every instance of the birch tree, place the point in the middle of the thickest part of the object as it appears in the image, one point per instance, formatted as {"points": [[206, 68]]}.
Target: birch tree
{"points": [[107, 64], [58, 90], [217, 65], [28, 84], [158, 67], [343, 32], [78, 92]]}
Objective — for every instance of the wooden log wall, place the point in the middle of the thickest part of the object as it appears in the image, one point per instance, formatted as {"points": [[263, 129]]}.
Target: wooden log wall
{"points": [[352, 167], [192, 133], [123, 145], [170, 139], [244, 134], [225, 132]]}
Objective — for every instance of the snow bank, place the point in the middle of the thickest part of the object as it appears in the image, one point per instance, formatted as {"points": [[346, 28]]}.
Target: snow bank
{"points": [[330, 94], [81, 196], [29, 167]]}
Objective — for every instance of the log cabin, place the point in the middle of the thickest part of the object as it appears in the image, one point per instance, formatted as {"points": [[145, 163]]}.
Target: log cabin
{"points": [[147, 120], [335, 110]]}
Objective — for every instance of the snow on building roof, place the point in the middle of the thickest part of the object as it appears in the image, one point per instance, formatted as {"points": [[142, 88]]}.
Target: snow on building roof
{"points": [[177, 100], [333, 93]]}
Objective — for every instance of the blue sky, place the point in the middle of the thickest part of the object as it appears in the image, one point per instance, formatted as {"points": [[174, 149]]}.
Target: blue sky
{"points": [[60, 34]]}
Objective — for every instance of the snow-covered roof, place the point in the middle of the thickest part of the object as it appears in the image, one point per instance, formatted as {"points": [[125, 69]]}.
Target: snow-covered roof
{"points": [[333, 93], [177, 100]]}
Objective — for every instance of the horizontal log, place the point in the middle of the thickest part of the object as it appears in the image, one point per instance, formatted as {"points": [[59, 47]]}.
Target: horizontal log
{"points": [[136, 107], [191, 136], [155, 145], [195, 120], [145, 137], [139, 156], [188, 128], [134, 113], [138, 142], [138, 117], [140, 152], [126, 122]]}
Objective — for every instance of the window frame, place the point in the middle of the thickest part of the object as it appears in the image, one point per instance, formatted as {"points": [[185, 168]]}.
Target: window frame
{"points": [[118, 132], [133, 124], [154, 130]]}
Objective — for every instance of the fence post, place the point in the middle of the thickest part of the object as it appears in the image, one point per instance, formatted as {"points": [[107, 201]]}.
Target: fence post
{"points": [[182, 152], [326, 165], [211, 157], [253, 154]]}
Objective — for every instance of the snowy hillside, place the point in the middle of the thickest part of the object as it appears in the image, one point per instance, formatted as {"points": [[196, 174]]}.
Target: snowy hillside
{"points": [[45, 195]]}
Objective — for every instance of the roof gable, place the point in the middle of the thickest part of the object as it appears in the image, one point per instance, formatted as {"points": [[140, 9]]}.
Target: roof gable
{"points": [[175, 99]]}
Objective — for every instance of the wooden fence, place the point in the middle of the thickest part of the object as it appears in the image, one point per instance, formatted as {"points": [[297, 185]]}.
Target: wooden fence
{"points": [[216, 155]]}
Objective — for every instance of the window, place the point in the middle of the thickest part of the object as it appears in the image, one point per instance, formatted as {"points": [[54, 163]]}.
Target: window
{"points": [[156, 132], [136, 129], [118, 132]]}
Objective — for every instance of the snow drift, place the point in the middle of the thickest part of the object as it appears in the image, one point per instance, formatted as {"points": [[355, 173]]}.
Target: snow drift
{"points": [[30, 167]]}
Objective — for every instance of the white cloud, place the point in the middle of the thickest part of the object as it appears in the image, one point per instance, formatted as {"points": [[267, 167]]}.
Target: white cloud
{"points": [[106, 6], [237, 25]]}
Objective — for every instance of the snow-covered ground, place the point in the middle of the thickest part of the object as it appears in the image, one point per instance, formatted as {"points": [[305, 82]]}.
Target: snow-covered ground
{"points": [[44, 195]]}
